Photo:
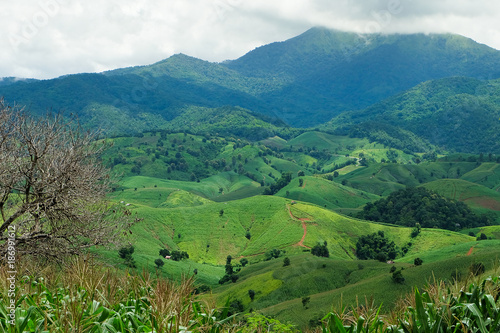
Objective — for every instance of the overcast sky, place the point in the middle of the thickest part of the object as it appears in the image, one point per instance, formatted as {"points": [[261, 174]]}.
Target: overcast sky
{"points": [[49, 38]]}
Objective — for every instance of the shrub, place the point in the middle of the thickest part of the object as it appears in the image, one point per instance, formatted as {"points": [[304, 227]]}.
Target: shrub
{"points": [[159, 263], [320, 250], [251, 294], [286, 261], [397, 277], [417, 262]]}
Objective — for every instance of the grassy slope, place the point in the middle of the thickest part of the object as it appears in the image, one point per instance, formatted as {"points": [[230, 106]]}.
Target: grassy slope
{"points": [[480, 198], [325, 193], [374, 283]]}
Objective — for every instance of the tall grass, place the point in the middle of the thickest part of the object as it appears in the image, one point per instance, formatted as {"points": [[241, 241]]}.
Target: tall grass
{"points": [[84, 297]]}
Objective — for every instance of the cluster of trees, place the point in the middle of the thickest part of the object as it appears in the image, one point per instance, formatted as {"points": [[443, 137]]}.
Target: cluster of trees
{"points": [[409, 206], [320, 250], [376, 246], [174, 255], [285, 179]]}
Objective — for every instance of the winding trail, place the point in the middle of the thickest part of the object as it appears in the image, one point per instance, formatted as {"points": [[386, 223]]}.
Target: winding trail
{"points": [[304, 226]]}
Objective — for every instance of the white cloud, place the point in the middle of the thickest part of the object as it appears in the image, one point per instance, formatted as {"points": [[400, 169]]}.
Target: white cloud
{"points": [[48, 38]]}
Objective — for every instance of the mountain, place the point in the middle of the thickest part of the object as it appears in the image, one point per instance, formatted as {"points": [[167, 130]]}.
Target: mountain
{"points": [[458, 114], [304, 81]]}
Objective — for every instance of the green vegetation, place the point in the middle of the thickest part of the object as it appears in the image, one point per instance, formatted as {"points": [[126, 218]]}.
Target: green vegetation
{"points": [[276, 225], [410, 206], [376, 246]]}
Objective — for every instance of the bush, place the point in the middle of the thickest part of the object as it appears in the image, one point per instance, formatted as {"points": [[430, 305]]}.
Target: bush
{"points": [[159, 263], [320, 250], [375, 246], [243, 262], [417, 262], [251, 294], [164, 253], [397, 277], [286, 262]]}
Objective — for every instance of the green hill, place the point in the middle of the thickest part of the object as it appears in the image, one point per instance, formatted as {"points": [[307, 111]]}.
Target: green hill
{"points": [[478, 197], [457, 113], [303, 81], [325, 193]]}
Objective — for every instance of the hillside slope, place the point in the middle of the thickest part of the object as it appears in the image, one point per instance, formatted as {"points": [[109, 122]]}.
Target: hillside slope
{"points": [[303, 81]]}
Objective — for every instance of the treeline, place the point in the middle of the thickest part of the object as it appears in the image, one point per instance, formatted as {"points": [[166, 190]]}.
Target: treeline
{"points": [[409, 206]]}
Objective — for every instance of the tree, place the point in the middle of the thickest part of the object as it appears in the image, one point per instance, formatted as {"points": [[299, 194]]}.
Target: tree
{"points": [[286, 261], [320, 250], [397, 277], [126, 254], [164, 253], [305, 301], [251, 294], [159, 263], [243, 262], [53, 187], [417, 262]]}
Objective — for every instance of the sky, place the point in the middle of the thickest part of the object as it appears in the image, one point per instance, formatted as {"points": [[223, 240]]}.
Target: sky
{"points": [[48, 38]]}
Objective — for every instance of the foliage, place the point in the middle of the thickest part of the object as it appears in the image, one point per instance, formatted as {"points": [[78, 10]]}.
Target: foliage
{"points": [[437, 310], [85, 298], [273, 254], [376, 246], [397, 277], [126, 254], [320, 250], [159, 263], [409, 206], [164, 252], [285, 179], [286, 262], [179, 255]]}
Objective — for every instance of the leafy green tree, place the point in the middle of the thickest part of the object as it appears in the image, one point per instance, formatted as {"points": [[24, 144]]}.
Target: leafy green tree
{"points": [[286, 261], [164, 253], [243, 262], [251, 294], [320, 250], [375, 246], [126, 254], [397, 277], [305, 301], [417, 262], [159, 263]]}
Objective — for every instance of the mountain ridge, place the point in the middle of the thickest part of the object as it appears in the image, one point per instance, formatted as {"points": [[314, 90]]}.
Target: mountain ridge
{"points": [[304, 81]]}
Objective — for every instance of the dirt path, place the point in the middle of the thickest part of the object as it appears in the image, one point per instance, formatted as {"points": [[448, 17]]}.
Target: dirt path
{"points": [[304, 226], [304, 184], [471, 250]]}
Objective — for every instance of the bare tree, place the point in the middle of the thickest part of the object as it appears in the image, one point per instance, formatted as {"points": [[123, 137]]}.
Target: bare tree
{"points": [[53, 187]]}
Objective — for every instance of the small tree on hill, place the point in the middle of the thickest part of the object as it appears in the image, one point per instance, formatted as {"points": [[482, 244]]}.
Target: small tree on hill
{"points": [[320, 250], [397, 277], [164, 253], [159, 263], [243, 262], [286, 261], [417, 262], [126, 254], [251, 294]]}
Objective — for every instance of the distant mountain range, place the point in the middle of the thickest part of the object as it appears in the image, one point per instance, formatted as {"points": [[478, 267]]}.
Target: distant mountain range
{"points": [[304, 82]]}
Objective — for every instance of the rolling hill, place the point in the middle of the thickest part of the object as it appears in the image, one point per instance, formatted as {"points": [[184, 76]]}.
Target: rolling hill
{"points": [[458, 114], [303, 81]]}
